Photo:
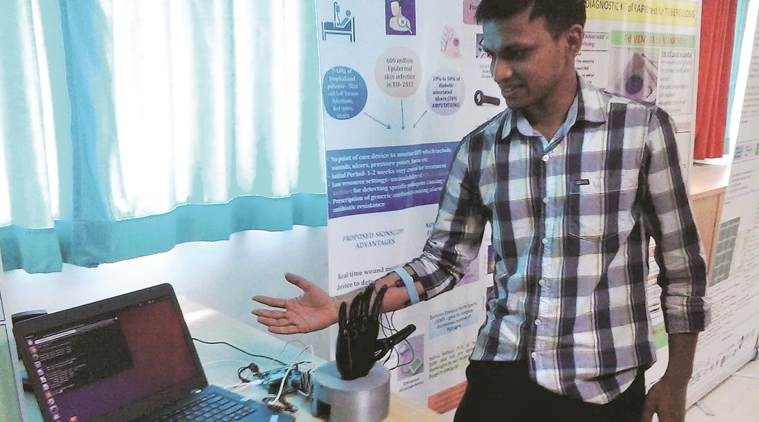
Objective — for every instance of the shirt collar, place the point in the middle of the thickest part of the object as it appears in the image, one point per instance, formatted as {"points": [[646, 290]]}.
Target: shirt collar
{"points": [[592, 107], [587, 106]]}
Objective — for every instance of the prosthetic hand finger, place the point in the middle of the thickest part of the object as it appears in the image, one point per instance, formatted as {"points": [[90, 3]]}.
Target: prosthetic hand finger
{"points": [[377, 306], [370, 321], [355, 304], [342, 316], [370, 328], [386, 344], [367, 300], [366, 296], [342, 354]]}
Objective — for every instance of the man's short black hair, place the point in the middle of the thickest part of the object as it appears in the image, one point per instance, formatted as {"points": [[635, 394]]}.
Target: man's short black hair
{"points": [[560, 15]]}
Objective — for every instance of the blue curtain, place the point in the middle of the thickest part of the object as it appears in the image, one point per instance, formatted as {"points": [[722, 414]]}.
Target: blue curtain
{"points": [[147, 123]]}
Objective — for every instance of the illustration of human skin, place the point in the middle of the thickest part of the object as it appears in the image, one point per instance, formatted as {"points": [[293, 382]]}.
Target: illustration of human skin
{"points": [[470, 7], [638, 78], [450, 44], [398, 22]]}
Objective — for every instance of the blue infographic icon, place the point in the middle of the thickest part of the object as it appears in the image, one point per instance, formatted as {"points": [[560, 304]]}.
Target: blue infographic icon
{"points": [[340, 25], [344, 92]]}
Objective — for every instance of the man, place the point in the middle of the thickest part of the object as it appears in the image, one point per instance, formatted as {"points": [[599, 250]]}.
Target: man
{"points": [[574, 181]]}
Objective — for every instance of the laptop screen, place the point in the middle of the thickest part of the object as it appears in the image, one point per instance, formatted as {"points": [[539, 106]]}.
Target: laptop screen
{"points": [[94, 366]]}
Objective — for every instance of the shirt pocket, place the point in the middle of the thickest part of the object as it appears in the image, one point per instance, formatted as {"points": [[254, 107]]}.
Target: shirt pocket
{"points": [[595, 212]]}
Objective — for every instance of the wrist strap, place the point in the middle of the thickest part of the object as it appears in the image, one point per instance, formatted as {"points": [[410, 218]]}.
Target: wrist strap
{"points": [[409, 282]]}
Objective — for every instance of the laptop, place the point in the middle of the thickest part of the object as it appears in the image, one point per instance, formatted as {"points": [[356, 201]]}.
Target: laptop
{"points": [[125, 358]]}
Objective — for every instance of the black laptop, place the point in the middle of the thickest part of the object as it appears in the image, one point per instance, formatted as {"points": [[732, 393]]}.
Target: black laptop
{"points": [[126, 358]]}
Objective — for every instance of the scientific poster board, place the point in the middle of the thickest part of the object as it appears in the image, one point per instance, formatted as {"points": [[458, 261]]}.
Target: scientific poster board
{"points": [[402, 82], [732, 338], [398, 86]]}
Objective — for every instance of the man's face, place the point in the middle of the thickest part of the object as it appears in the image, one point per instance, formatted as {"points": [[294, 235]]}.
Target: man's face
{"points": [[526, 61]]}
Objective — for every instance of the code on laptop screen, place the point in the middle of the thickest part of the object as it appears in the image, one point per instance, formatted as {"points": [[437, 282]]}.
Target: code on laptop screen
{"points": [[94, 367], [82, 356]]}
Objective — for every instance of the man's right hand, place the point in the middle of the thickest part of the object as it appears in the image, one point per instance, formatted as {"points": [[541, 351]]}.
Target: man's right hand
{"points": [[311, 311]]}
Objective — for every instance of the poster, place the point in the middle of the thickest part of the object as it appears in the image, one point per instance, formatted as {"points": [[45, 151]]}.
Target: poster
{"points": [[647, 50], [731, 339], [399, 80]]}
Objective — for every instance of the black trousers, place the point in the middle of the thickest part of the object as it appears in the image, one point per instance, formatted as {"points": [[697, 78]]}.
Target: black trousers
{"points": [[503, 391]]}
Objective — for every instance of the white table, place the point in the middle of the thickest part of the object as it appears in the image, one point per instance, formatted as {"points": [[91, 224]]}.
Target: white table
{"points": [[221, 362]]}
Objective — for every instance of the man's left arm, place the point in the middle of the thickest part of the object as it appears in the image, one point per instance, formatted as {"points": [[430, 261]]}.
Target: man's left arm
{"points": [[682, 274], [667, 397]]}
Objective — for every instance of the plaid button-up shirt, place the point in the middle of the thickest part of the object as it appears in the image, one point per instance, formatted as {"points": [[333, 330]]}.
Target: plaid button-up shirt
{"points": [[571, 220]]}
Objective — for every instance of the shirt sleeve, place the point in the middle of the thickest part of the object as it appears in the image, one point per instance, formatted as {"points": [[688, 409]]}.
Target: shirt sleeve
{"points": [[457, 233], [669, 219]]}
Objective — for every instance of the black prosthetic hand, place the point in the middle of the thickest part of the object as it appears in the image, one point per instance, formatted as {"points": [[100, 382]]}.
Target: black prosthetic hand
{"points": [[357, 345]]}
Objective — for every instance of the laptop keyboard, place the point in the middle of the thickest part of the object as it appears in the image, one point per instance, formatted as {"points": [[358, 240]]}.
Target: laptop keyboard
{"points": [[208, 408]]}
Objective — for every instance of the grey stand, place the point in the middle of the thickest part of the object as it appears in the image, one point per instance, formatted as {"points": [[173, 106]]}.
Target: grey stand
{"points": [[365, 399]]}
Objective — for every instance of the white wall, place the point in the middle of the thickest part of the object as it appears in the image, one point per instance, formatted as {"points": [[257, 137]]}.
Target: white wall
{"points": [[222, 275]]}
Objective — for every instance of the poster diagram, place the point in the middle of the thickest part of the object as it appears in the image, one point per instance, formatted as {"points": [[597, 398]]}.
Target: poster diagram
{"points": [[450, 43], [445, 92], [636, 73], [470, 8], [400, 17], [344, 93], [657, 67], [371, 180], [723, 255], [342, 24], [411, 357]]}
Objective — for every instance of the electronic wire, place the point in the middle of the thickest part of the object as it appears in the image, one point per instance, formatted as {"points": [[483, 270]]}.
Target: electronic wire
{"points": [[398, 363], [241, 350], [282, 383]]}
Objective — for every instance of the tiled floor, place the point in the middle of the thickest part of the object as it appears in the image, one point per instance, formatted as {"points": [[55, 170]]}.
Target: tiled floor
{"points": [[735, 400]]}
